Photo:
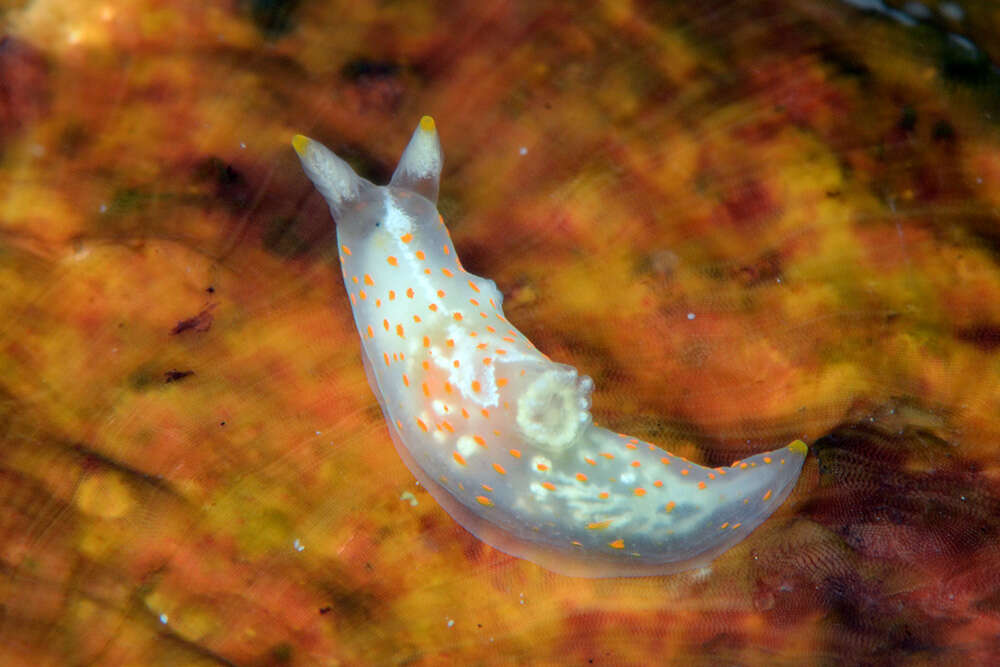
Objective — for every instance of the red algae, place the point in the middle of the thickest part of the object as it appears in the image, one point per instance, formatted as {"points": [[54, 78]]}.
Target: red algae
{"points": [[769, 223]]}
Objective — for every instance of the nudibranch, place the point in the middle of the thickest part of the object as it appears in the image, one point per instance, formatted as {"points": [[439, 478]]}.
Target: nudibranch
{"points": [[500, 435]]}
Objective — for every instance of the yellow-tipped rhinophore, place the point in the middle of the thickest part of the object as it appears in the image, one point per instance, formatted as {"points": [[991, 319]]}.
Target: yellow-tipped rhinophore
{"points": [[427, 124], [799, 447], [300, 142]]}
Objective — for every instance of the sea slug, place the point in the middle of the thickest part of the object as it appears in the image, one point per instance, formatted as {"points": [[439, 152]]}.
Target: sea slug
{"points": [[500, 435]]}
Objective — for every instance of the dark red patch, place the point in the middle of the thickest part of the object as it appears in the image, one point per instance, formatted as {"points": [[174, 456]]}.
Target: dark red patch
{"points": [[200, 323], [174, 376], [749, 204], [24, 85], [984, 336]]}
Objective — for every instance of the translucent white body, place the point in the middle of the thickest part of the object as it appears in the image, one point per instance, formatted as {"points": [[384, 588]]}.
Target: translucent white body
{"points": [[499, 434]]}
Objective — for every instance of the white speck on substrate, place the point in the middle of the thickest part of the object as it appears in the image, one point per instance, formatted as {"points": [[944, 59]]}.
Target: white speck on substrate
{"points": [[690, 316], [451, 622], [298, 545], [243, 145], [523, 150], [104, 207], [163, 619], [406, 495]]}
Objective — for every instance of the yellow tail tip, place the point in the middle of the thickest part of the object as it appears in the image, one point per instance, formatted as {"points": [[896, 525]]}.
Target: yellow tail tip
{"points": [[427, 124], [299, 143], [799, 447]]}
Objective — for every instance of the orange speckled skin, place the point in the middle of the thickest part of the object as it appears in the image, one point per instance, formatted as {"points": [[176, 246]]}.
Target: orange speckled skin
{"points": [[497, 432], [193, 470]]}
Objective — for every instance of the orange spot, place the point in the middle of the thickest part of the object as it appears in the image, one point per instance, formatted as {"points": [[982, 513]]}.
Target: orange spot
{"points": [[448, 427], [580, 477], [670, 507], [426, 364], [486, 361], [499, 351], [465, 413], [701, 485], [665, 461], [607, 456], [599, 525], [549, 485], [473, 286], [603, 494], [490, 329], [446, 249], [685, 472], [501, 382], [355, 279], [447, 387], [479, 441], [409, 292], [399, 331], [371, 334], [368, 280], [406, 380], [420, 254], [427, 271], [658, 484], [447, 273], [392, 260], [629, 445], [516, 453], [353, 300], [473, 302], [487, 487], [767, 495], [767, 459], [421, 424], [378, 303], [433, 307], [499, 468], [458, 458], [475, 385], [486, 413], [385, 324], [639, 491], [427, 390], [509, 339], [483, 500], [542, 467], [458, 317], [347, 251], [617, 544], [723, 526], [406, 238], [635, 464], [385, 355], [711, 476], [440, 293], [416, 318], [450, 342], [456, 363]]}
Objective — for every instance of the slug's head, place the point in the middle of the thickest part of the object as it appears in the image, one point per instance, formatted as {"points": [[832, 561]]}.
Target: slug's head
{"points": [[418, 172]]}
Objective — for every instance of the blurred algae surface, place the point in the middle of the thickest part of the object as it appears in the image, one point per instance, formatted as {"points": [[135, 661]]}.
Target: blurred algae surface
{"points": [[749, 222]]}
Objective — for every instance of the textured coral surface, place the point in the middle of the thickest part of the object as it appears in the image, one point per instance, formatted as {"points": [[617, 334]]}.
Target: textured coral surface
{"points": [[748, 221]]}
